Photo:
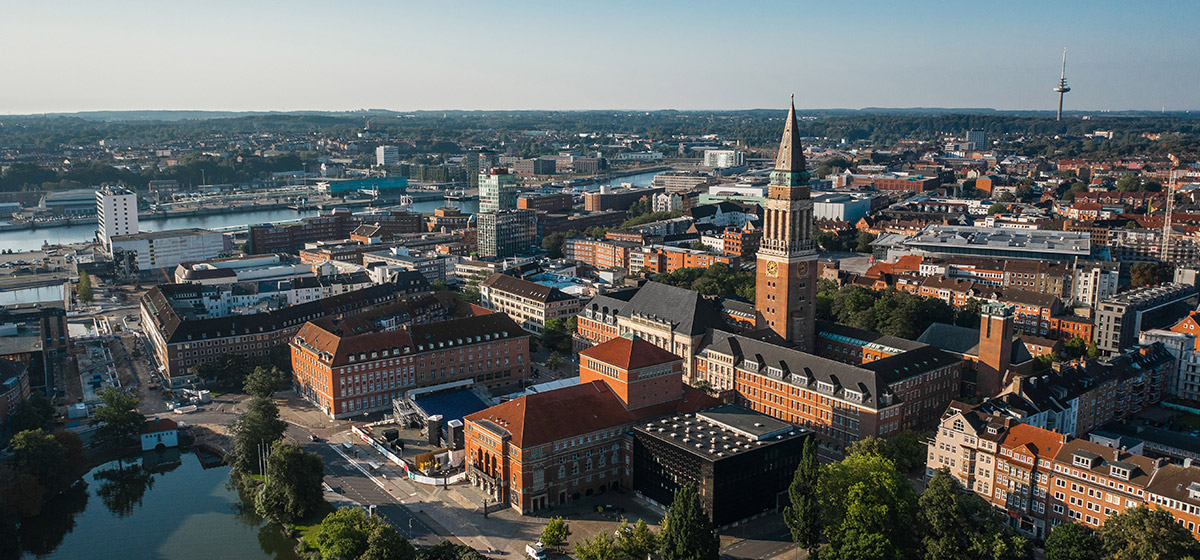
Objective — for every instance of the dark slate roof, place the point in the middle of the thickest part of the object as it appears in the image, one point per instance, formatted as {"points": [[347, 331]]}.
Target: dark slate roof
{"points": [[525, 288], [175, 328], [965, 341], [689, 312], [805, 370]]}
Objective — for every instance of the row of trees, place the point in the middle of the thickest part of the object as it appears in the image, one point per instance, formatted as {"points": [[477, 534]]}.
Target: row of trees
{"points": [[891, 312], [864, 508], [833, 243], [716, 280], [1140, 533], [230, 371], [686, 533]]}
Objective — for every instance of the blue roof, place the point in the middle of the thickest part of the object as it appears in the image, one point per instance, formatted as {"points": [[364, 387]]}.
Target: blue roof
{"points": [[451, 405]]}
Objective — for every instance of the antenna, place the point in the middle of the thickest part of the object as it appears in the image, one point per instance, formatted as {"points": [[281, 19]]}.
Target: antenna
{"points": [[1062, 85]]}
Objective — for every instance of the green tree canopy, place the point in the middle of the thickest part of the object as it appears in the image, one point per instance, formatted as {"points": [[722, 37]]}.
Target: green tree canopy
{"points": [[687, 533], [867, 508], [292, 489], [1148, 273], [1072, 541], [556, 532], [30, 414], [803, 513], [1142, 533], [600, 547], [258, 426], [263, 381], [40, 455], [638, 542], [118, 421], [84, 289], [349, 533]]}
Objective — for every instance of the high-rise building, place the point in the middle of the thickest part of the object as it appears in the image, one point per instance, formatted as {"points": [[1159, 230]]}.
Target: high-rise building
{"points": [[386, 156], [116, 213], [506, 233], [786, 283], [976, 139], [995, 348], [477, 161], [497, 190], [724, 159]]}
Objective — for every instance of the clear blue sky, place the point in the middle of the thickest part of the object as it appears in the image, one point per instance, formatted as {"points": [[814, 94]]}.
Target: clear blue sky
{"points": [[394, 54]]}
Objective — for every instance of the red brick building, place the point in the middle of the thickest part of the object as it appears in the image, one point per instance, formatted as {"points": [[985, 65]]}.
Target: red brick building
{"points": [[348, 366], [547, 449]]}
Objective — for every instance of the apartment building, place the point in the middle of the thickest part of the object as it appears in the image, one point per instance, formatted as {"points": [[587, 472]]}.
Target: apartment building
{"points": [[528, 303], [1122, 317], [182, 339], [507, 233]]}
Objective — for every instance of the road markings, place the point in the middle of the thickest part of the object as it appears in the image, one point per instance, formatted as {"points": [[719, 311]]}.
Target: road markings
{"points": [[359, 467]]}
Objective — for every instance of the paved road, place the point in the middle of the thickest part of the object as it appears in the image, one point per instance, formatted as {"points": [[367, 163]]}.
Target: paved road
{"points": [[762, 547], [352, 478]]}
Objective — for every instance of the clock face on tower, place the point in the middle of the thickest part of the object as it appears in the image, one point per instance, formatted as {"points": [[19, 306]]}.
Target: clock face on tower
{"points": [[772, 269], [803, 268]]}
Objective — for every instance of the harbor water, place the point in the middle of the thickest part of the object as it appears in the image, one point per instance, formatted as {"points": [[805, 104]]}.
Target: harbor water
{"points": [[33, 239]]}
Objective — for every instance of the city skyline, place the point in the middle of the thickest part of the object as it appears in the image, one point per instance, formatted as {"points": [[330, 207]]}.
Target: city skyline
{"points": [[536, 55]]}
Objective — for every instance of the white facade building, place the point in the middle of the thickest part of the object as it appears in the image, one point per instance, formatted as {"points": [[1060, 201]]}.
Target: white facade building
{"points": [[840, 206], [1094, 282], [169, 249], [116, 213], [724, 159], [1185, 379], [386, 156]]}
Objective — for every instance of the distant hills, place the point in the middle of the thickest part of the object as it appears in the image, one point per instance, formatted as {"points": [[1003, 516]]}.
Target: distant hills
{"points": [[169, 116]]}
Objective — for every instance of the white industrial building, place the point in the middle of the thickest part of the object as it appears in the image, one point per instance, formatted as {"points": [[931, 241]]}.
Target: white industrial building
{"points": [[846, 207], [168, 249], [116, 213]]}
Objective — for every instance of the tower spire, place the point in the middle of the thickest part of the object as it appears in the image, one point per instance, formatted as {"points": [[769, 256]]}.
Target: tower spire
{"points": [[790, 158]]}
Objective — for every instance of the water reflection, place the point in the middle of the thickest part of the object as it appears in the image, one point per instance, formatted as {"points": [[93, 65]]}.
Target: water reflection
{"points": [[122, 488], [44, 533]]}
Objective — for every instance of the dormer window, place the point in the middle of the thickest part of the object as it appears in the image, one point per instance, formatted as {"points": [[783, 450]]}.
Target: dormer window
{"points": [[1119, 472]]}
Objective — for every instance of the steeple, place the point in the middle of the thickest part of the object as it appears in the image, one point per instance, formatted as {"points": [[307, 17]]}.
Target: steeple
{"points": [[791, 154]]}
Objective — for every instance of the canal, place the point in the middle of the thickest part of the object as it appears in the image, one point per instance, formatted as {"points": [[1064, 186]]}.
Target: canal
{"points": [[32, 239], [168, 506]]}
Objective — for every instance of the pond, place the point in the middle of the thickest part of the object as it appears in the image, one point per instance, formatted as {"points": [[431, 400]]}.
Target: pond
{"points": [[158, 505]]}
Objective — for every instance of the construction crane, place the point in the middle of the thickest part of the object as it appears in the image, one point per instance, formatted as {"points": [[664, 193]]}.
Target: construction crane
{"points": [[1166, 233]]}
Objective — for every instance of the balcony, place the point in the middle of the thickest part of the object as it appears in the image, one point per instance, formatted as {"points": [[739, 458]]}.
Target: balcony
{"points": [[472, 471]]}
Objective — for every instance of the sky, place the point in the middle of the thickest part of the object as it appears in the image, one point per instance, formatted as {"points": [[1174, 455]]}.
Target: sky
{"points": [[259, 55]]}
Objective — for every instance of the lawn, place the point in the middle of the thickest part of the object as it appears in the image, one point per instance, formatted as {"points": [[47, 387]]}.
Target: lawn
{"points": [[307, 527]]}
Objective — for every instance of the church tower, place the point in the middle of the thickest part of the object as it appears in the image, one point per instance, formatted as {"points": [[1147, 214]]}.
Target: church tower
{"points": [[785, 292]]}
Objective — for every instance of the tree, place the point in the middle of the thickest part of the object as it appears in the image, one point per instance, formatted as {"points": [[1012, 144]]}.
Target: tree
{"points": [[687, 533], [30, 414], [639, 542], [705, 386], [1142, 533], [556, 532], [906, 450], [1093, 351], [1148, 273], [258, 426], [343, 534], [556, 336], [40, 455], [1076, 347], [292, 489], [553, 244], [555, 361], [447, 550], [997, 208], [867, 508], [1072, 541], [803, 514], [84, 289], [599, 547], [263, 381], [118, 421], [862, 243], [386, 543]]}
